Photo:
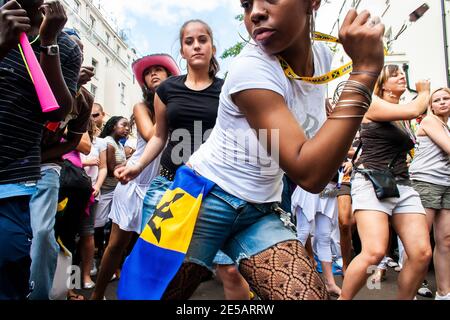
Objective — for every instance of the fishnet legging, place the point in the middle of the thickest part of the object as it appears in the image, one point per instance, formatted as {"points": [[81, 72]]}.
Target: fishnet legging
{"points": [[186, 281], [284, 272]]}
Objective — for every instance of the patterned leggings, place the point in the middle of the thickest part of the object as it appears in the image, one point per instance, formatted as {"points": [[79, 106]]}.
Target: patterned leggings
{"points": [[282, 272]]}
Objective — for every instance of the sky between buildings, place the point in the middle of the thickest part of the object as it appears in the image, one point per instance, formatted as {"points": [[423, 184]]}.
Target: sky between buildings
{"points": [[153, 25]]}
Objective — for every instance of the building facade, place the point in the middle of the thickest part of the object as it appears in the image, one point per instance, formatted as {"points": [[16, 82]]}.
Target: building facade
{"points": [[113, 85], [421, 46]]}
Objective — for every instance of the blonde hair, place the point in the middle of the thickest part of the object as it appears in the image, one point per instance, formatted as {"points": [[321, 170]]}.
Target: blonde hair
{"points": [[388, 71], [430, 110]]}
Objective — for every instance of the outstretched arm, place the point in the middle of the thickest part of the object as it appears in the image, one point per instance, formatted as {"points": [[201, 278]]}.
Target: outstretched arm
{"points": [[153, 148], [382, 110]]}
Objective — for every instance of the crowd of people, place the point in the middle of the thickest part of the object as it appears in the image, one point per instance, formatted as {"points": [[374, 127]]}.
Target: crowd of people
{"points": [[269, 140]]}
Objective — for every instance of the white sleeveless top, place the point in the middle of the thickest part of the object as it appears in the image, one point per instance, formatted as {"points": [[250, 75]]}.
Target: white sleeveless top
{"points": [[430, 164]]}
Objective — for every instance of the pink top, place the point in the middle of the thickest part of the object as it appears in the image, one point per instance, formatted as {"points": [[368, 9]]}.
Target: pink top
{"points": [[74, 157]]}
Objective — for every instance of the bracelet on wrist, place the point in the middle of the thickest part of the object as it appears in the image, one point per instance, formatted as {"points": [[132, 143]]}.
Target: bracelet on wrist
{"points": [[369, 73]]}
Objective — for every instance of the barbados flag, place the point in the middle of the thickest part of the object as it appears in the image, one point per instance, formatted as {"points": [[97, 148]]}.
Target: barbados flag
{"points": [[162, 246]]}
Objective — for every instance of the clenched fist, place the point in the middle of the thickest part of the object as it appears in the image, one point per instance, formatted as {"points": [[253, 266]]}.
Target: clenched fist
{"points": [[13, 21]]}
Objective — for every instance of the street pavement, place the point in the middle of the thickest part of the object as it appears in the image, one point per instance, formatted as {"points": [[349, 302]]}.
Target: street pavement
{"points": [[212, 289]]}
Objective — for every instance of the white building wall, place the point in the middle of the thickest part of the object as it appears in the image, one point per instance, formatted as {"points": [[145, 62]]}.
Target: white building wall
{"points": [[421, 45], [113, 58]]}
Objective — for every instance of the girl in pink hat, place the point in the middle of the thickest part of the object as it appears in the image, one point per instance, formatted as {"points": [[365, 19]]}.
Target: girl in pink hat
{"points": [[126, 209]]}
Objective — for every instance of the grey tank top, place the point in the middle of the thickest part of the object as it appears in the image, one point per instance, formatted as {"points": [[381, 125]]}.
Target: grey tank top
{"points": [[381, 143], [430, 164]]}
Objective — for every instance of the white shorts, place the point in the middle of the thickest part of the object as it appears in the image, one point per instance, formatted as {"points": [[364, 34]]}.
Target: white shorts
{"points": [[364, 198], [103, 208]]}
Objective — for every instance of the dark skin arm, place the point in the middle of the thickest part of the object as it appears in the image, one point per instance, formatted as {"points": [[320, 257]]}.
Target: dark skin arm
{"points": [[85, 144], [111, 160], [54, 20], [56, 152], [312, 163], [13, 21]]}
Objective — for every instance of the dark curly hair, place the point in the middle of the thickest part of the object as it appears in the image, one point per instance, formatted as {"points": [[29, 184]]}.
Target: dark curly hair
{"points": [[109, 126]]}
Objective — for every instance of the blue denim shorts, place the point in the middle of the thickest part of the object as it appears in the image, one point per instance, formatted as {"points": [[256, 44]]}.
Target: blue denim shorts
{"points": [[238, 228]]}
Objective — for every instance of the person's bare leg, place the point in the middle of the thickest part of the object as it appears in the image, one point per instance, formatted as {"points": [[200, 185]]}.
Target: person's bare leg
{"points": [[442, 251], [413, 231], [327, 273], [112, 257], [346, 222], [234, 285], [373, 229], [86, 246]]}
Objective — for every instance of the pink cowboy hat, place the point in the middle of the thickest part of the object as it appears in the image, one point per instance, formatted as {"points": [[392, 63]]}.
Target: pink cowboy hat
{"points": [[161, 59]]}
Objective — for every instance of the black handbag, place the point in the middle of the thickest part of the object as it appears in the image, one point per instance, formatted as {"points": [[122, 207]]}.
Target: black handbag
{"points": [[383, 181], [73, 177]]}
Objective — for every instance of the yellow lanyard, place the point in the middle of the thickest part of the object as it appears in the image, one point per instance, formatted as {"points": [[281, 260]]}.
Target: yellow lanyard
{"points": [[330, 76]]}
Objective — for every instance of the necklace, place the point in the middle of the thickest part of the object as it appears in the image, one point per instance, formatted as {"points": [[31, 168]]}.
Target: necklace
{"points": [[325, 78]]}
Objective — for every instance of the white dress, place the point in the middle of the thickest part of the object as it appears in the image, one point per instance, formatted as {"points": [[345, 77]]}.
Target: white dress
{"points": [[126, 209], [312, 204]]}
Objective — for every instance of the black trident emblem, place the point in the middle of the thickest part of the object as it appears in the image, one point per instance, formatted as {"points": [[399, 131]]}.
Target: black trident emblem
{"points": [[336, 74], [164, 213]]}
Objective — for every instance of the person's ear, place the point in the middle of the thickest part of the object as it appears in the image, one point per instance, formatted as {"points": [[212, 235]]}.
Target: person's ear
{"points": [[182, 53], [214, 50]]}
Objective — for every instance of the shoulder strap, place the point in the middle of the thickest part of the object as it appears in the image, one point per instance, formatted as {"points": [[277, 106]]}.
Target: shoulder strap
{"points": [[356, 153]]}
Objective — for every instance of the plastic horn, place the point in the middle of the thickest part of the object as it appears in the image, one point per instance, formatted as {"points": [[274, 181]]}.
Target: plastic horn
{"points": [[44, 92]]}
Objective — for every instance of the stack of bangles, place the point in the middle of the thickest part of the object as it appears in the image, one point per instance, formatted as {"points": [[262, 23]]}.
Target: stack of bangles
{"points": [[353, 87]]}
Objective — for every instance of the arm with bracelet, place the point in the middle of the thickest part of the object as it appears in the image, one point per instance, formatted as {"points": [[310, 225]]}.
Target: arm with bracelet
{"points": [[303, 159]]}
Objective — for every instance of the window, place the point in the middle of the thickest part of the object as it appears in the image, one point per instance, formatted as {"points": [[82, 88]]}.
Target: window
{"points": [[108, 39], [92, 21], [95, 65], [128, 60], [93, 90], [122, 92], [118, 50], [107, 61], [77, 6]]}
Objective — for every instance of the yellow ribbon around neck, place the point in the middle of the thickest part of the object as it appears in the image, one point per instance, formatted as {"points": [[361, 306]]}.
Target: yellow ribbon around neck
{"points": [[325, 78]]}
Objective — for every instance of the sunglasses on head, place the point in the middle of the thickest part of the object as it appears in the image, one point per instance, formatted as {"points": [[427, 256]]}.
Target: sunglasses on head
{"points": [[95, 115]]}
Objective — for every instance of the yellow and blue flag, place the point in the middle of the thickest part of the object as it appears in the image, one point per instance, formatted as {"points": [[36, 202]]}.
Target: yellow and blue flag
{"points": [[162, 246]]}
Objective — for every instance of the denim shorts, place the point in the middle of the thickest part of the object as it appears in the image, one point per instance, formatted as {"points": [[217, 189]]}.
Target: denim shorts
{"points": [[239, 228], [156, 190]]}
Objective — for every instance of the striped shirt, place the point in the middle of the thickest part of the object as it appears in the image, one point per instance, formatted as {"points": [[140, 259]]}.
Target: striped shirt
{"points": [[21, 118]]}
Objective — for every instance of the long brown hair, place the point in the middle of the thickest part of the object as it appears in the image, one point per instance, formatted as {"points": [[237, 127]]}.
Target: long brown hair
{"points": [[388, 71], [213, 63]]}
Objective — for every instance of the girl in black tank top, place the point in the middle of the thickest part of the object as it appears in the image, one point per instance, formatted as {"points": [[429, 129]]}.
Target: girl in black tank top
{"points": [[385, 138]]}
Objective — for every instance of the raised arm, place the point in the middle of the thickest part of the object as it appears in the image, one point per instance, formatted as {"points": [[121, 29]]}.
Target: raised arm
{"points": [[153, 148], [312, 163], [54, 20], [381, 110], [13, 21]]}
